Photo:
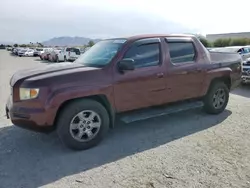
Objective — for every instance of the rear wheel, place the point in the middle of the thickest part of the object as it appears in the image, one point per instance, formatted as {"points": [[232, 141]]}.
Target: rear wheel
{"points": [[57, 59], [82, 124], [216, 98]]}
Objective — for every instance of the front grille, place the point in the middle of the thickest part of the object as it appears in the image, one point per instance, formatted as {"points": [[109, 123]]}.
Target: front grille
{"points": [[246, 63], [244, 73], [246, 69]]}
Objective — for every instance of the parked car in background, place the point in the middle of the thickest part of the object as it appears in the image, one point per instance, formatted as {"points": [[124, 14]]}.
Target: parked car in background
{"points": [[246, 70], [74, 54], [9, 48], [45, 54], [41, 52], [2, 47], [29, 52], [81, 100], [242, 50], [16, 50], [22, 52], [54, 55], [82, 50], [37, 52], [65, 53]]}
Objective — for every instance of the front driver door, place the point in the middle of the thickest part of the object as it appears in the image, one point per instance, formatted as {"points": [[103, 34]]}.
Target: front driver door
{"points": [[144, 86]]}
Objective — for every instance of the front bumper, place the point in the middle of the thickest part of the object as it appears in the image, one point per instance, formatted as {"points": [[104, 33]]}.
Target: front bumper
{"points": [[245, 79], [72, 58], [28, 118]]}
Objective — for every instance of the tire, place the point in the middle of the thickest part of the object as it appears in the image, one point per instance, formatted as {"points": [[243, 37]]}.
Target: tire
{"points": [[69, 114], [57, 59], [209, 104], [243, 83]]}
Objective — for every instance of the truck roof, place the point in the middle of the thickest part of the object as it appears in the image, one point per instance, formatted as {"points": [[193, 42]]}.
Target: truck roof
{"points": [[136, 37]]}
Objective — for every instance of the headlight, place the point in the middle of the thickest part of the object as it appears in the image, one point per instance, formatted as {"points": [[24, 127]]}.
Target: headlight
{"points": [[28, 93]]}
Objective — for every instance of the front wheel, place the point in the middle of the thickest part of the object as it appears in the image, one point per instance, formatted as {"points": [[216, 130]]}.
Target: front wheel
{"points": [[216, 98], [82, 124]]}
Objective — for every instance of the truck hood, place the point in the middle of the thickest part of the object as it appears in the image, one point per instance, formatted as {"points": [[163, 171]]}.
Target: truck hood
{"points": [[42, 70]]}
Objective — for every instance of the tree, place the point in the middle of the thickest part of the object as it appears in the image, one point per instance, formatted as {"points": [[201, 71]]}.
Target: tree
{"points": [[231, 42], [205, 42], [222, 42], [15, 45], [40, 44], [240, 42], [23, 45], [91, 43]]}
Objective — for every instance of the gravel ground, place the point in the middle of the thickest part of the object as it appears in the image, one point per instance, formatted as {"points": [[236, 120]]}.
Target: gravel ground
{"points": [[189, 149]]}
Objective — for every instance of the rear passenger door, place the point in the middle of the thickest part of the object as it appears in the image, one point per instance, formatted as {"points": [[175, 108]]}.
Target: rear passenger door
{"points": [[184, 74]]}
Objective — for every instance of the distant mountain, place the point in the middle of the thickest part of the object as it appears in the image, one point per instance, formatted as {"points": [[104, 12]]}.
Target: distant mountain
{"points": [[68, 41]]}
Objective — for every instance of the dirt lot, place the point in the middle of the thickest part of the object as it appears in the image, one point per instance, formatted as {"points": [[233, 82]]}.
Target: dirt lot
{"points": [[189, 149]]}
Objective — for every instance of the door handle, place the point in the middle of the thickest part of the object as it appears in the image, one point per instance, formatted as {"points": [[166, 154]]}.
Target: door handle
{"points": [[195, 71], [160, 75]]}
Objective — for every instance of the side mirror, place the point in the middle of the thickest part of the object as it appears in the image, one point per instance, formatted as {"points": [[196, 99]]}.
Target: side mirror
{"points": [[126, 65]]}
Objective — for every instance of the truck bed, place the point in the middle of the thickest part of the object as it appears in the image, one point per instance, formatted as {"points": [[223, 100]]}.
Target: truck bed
{"points": [[225, 57]]}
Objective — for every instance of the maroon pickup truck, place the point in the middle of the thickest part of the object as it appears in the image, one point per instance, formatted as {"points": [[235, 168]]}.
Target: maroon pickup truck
{"points": [[130, 78]]}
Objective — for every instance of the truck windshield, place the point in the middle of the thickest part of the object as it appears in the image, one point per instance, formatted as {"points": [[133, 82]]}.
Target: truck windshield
{"points": [[101, 53]]}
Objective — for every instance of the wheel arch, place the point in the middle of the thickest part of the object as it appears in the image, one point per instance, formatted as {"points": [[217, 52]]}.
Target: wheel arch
{"points": [[102, 99], [225, 79]]}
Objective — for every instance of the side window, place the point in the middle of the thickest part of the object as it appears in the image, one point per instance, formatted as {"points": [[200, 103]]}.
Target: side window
{"points": [[145, 55], [246, 50], [181, 52], [240, 51]]}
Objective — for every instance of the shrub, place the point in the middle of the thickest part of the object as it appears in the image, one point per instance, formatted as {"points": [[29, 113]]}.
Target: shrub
{"points": [[23, 45], [91, 43], [231, 42], [205, 42]]}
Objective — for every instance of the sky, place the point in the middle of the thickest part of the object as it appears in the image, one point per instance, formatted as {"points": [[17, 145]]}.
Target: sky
{"points": [[39, 20]]}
